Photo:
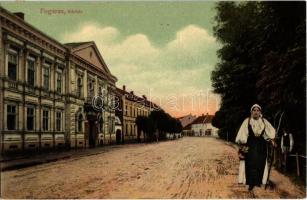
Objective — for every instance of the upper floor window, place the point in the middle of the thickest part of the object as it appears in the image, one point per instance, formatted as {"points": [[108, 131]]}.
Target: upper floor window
{"points": [[12, 65], [90, 88], [31, 71], [46, 74], [100, 90], [11, 118], [59, 82], [79, 87]]}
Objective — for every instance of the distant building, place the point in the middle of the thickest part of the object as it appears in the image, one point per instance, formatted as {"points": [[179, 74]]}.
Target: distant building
{"points": [[118, 130], [185, 120], [201, 126], [186, 131], [129, 107]]}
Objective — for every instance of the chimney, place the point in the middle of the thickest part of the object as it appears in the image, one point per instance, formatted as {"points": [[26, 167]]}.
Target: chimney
{"points": [[144, 97], [21, 15], [124, 87], [131, 92]]}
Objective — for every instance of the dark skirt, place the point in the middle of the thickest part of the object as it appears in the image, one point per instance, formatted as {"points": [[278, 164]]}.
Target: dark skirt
{"points": [[255, 160]]}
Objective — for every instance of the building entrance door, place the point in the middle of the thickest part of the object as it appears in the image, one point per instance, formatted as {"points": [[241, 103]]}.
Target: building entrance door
{"points": [[91, 133], [118, 136]]}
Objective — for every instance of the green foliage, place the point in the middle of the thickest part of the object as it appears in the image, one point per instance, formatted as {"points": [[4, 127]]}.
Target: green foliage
{"points": [[262, 60], [160, 121], [146, 125], [140, 121]]}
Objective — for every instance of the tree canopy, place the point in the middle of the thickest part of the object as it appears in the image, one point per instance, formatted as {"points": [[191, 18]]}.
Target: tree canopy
{"points": [[160, 121], [262, 60]]}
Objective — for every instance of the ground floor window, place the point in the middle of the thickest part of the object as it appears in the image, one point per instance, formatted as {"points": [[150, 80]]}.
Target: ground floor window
{"points": [[127, 132], [59, 121], [45, 120], [131, 129], [11, 117], [30, 118]]}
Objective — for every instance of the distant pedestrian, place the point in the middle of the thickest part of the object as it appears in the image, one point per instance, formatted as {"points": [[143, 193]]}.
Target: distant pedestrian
{"points": [[157, 136], [253, 136], [286, 146]]}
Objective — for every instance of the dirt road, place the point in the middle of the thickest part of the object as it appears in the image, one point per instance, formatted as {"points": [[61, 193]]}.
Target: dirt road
{"points": [[191, 167]]}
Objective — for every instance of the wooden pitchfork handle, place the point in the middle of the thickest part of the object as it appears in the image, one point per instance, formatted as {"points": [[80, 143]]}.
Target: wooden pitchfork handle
{"points": [[270, 167]]}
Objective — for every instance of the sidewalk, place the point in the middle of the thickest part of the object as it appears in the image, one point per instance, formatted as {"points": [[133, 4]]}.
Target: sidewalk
{"points": [[27, 160]]}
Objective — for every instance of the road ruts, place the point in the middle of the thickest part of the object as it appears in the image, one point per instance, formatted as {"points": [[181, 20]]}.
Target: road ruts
{"points": [[190, 167]]}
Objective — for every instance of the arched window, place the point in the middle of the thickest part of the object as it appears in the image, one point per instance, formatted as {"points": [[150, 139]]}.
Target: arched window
{"points": [[80, 119]]}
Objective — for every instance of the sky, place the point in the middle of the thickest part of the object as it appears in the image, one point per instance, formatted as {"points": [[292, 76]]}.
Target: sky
{"points": [[164, 50]]}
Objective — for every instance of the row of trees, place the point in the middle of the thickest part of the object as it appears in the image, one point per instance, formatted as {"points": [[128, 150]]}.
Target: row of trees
{"points": [[156, 125], [262, 60]]}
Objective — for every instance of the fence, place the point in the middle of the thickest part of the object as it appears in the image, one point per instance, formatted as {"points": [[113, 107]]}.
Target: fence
{"points": [[294, 162]]}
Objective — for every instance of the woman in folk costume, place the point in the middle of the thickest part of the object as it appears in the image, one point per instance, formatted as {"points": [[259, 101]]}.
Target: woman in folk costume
{"points": [[252, 137]]}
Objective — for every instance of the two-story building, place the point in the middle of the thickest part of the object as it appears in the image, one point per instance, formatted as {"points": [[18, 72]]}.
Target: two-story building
{"points": [[187, 119], [47, 90], [201, 126], [130, 107]]}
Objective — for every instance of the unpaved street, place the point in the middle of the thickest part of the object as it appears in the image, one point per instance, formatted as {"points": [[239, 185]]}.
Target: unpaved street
{"points": [[190, 167]]}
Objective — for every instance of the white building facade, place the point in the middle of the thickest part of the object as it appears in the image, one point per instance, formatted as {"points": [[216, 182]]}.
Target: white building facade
{"points": [[202, 126], [46, 90]]}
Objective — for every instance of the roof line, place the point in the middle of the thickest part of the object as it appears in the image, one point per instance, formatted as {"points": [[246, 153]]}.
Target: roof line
{"points": [[32, 27]]}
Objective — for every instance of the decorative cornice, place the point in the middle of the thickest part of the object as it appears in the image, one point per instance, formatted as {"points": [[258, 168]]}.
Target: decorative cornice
{"points": [[36, 39], [28, 32]]}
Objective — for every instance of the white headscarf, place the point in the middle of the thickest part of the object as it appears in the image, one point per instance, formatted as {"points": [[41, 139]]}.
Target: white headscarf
{"points": [[257, 124], [255, 106]]}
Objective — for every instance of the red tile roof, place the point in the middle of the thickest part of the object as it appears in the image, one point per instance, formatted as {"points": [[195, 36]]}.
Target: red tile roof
{"points": [[203, 119], [132, 97]]}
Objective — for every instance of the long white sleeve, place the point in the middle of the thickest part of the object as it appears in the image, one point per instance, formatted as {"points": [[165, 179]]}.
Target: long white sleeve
{"points": [[242, 133], [282, 144], [270, 132], [291, 142]]}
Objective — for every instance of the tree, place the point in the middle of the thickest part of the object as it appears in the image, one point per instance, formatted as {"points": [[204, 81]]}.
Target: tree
{"points": [[283, 73], [235, 76], [161, 121], [141, 123], [150, 128], [178, 126], [146, 125], [262, 60]]}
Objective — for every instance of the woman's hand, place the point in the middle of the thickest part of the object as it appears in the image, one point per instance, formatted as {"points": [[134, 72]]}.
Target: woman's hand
{"points": [[273, 143], [241, 156]]}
